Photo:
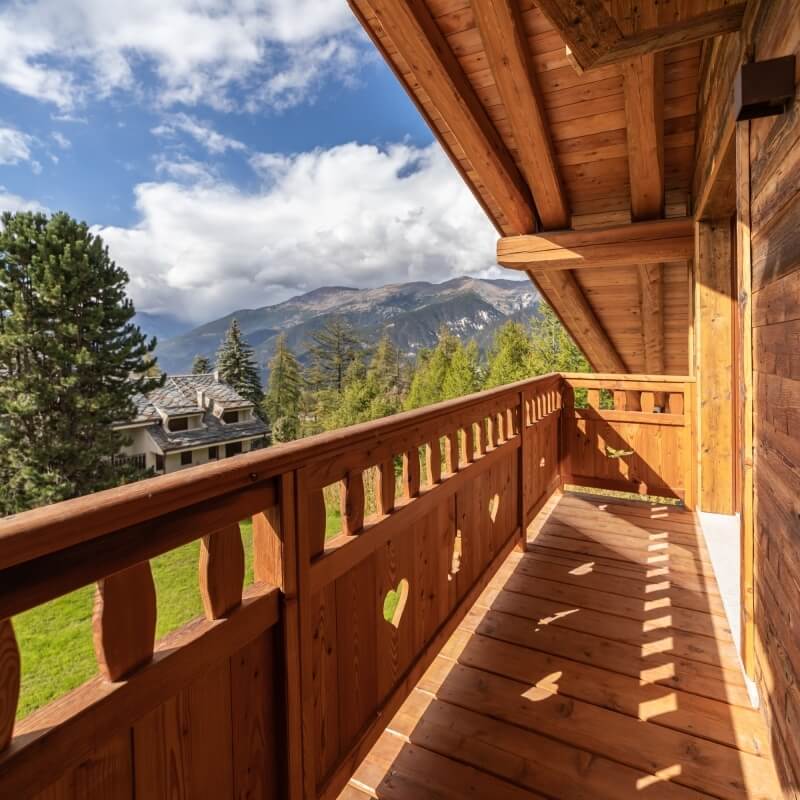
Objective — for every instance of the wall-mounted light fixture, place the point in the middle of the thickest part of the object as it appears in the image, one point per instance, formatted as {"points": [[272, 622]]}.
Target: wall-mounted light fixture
{"points": [[763, 88]]}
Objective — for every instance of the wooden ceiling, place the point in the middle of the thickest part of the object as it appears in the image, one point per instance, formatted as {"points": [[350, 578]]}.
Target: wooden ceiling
{"points": [[570, 114]]}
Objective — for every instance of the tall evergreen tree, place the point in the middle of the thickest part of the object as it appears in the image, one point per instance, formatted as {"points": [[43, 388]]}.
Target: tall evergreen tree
{"points": [[510, 355], [201, 365], [427, 385], [71, 361], [553, 349], [333, 348], [237, 366], [463, 375], [282, 401]]}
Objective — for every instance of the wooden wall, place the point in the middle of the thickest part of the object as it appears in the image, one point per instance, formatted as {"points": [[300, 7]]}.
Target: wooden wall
{"points": [[775, 219], [775, 250]]}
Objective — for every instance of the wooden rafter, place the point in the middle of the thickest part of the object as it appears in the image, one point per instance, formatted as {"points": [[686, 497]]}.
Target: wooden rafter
{"points": [[594, 38], [413, 31], [643, 79], [507, 51], [615, 246]]}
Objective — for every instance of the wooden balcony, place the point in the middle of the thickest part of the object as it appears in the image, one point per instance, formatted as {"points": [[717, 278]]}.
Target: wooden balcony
{"points": [[471, 632]]}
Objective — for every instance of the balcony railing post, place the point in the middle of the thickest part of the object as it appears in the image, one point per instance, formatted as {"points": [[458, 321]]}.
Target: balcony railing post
{"points": [[9, 681], [522, 471]]}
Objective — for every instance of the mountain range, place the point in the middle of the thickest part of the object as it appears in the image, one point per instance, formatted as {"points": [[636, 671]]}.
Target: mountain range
{"points": [[410, 313]]}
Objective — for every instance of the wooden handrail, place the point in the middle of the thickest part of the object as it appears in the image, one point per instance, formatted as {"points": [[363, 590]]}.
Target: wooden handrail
{"points": [[52, 528]]}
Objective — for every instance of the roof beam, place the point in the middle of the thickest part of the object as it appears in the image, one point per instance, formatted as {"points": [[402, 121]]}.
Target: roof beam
{"points": [[644, 100], [413, 31], [594, 39], [504, 40], [616, 246]]}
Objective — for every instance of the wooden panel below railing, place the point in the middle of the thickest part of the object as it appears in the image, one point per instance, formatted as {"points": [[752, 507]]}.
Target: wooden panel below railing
{"points": [[643, 443]]}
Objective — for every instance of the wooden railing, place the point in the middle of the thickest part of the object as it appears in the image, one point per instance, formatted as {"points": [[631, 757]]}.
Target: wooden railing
{"points": [[281, 690], [635, 433]]}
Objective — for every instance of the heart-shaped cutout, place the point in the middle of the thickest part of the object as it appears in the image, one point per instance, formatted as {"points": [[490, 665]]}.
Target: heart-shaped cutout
{"points": [[394, 604], [494, 506]]}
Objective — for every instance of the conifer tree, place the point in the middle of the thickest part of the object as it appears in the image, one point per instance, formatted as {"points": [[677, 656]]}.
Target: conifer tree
{"points": [[553, 349], [463, 375], [282, 401], [333, 348], [71, 361], [510, 355], [237, 366], [201, 365], [427, 385]]}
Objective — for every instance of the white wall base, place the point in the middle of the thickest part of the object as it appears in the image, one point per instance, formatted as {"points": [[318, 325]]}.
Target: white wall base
{"points": [[722, 533]]}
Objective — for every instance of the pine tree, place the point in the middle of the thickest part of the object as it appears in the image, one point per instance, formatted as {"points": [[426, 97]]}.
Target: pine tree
{"points": [[201, 365], [427, 385], [71, 361], [282, 401], [553, 350], [237, 367], [510, 355], [333, 348], [463, 375]]}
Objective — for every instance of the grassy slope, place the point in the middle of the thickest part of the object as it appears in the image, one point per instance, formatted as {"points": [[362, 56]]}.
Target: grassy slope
{"points": [[55, 639]]}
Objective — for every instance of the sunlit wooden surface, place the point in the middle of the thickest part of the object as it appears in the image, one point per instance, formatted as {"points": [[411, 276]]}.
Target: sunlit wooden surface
{"points": [[599, 664]]}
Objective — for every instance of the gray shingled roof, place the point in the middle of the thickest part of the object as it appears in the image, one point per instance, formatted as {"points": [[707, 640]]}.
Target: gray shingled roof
{"points": [[178, 396]]}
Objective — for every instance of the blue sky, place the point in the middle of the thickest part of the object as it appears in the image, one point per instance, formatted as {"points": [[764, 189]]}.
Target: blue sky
{"points": [[231, 153]]}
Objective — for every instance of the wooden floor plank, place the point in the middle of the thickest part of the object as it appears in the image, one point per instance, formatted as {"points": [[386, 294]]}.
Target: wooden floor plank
{"points": [[598, 664], [642, 590]]}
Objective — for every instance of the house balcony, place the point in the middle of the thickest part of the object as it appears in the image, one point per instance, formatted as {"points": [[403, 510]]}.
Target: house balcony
{"points": [[480, 627]]}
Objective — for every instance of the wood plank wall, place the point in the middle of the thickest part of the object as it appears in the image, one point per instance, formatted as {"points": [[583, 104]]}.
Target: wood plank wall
{"points": [[775, 219]]}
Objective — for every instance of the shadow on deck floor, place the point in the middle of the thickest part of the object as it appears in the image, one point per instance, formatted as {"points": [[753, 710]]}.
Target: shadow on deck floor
{"points": [[599, 664]]}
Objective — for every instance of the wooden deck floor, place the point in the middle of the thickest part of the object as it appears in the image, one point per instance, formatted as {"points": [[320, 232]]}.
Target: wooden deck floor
{"points": [[597, 665]]}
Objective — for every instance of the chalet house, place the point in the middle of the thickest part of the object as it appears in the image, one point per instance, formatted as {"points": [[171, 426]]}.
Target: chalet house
{"points": [[191, 420], [552, 598]]}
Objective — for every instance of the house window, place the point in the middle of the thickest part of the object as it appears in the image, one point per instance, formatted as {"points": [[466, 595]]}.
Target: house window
{"points": [[179, 424], [233, 449], [159, 462], [213, 453], [186, 458], [230, 416]]}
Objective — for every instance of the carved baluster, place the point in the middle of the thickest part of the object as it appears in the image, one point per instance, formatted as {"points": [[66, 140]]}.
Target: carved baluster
{"points": [[494, 430], [352, 502], [411, 473], [468, 441], [648, 401], [221, 571], [593, 397], [451, 452], [386, 483], [9, 681], [124, 621], [675, 403], [433, 456], [620, 399], [482, 437]]}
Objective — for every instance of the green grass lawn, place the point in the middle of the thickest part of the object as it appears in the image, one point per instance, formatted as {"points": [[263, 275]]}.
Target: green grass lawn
{"points": [[55, 639]]}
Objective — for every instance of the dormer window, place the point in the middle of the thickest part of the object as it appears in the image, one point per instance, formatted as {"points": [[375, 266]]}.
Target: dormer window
{"points": [[229, 417], [179, 424]]}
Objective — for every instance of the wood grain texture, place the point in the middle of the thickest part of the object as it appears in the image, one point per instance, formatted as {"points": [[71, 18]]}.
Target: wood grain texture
{"points": [[124, 621], [503, 34], [352, 503], [9, 681], [221, 571]]}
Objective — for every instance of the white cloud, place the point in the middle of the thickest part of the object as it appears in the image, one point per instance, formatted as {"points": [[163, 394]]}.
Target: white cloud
{"points": [[353, 214], [63, 51], [213, 141], [12, 202], [61, 140], [15, 146]]}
